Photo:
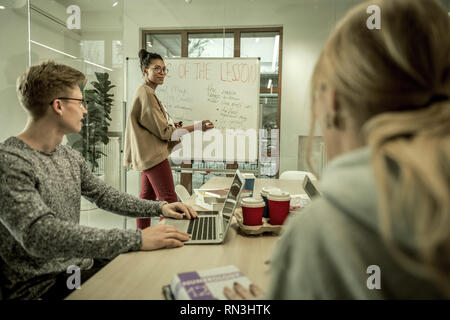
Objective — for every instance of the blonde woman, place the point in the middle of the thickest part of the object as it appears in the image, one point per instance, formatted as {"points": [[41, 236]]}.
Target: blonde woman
{"points": [[382, 228]]}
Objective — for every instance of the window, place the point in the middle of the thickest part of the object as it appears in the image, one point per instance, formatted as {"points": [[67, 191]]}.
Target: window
{"points": [[210, 45], [117, 53], [253, 42], [266, 46], [265, 43], [166, 45], [93, 51]]}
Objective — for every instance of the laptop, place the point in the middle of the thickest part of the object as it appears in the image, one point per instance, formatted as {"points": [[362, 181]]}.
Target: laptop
{"points": [[310, 189], [211, 227]]}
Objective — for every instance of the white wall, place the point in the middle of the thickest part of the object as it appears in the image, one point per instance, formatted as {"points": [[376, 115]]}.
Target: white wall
{"points": [[14, 55], [49, 33], [306, 25], [106, 26], [13, 62]]}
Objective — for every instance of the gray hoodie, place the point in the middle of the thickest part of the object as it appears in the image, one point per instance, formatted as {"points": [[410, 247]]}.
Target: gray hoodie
{"points": [[333, 248]]}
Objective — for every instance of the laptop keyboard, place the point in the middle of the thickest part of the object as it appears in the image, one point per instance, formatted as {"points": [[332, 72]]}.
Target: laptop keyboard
{"points": [[202, 228]]}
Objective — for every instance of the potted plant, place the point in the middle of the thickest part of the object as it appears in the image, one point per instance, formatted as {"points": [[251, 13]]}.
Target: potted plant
{"points": [[94, 131]]}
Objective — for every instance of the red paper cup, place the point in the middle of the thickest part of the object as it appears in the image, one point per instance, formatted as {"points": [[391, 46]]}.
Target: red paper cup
{"points": [[252, 211], [264, 193], [278, 207]]}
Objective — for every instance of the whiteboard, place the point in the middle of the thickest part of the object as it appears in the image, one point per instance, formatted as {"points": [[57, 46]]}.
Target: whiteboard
{"points": [[223, 90]]}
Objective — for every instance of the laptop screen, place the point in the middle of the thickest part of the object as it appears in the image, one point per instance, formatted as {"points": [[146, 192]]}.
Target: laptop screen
{"points": [[310, 189], [232, 198]]}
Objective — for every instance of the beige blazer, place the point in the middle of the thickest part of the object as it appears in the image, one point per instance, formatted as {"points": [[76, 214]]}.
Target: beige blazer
{"points": [[148, 133]]}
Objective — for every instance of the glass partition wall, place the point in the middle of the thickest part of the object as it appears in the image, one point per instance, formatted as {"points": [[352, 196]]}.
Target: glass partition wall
{"points": [[88, 36], [262, 43], [97, 37]]}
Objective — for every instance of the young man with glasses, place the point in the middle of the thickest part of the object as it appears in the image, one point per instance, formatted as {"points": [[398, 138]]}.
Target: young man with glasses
{"points": [[41, 184]]}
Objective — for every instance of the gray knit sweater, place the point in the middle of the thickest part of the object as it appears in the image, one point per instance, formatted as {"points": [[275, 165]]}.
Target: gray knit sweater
{"points": [[40, 235]]}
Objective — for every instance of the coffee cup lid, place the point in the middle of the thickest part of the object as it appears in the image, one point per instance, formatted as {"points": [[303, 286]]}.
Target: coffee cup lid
{"points": [[266, 190], [279, 195], [253, 202]]}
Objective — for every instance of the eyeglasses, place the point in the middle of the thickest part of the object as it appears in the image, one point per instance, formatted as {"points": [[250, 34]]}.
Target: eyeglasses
{"points": [[159, 70], [83, 102]]}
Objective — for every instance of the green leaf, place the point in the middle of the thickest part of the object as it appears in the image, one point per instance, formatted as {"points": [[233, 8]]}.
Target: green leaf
{"points": [[94, 132]]}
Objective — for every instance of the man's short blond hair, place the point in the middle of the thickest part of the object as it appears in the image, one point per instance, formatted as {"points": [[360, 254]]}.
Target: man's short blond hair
{"points": [[42, 83]]}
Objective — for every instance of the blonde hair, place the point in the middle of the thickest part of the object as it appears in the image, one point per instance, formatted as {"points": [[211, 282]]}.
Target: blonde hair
{"points": [[395, 83], [44, 82]]}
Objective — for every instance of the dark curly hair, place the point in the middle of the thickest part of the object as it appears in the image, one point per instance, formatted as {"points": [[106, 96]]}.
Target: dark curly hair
{"points": [[146, 58]]}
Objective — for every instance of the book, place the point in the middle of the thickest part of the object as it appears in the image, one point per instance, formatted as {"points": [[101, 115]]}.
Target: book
{"points": [[204, 284], [222, 193], [203, 195], [210, 206], [246, 193], [208, 202]]}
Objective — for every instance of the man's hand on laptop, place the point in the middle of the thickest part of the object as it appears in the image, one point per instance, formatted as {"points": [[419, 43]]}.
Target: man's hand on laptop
{"points": [[178, 210], [162, 236]]}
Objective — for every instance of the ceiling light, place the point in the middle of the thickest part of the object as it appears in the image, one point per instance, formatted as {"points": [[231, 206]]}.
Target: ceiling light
{"points": [[115, 3], [2, 7], [97, 65], [53, 49]]}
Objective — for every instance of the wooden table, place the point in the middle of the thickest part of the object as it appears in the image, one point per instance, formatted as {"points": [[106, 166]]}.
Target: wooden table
{"points": [[141, 275]]}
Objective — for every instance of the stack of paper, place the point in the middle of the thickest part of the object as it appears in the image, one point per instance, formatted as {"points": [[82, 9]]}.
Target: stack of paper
{"points": [[207, 201]]}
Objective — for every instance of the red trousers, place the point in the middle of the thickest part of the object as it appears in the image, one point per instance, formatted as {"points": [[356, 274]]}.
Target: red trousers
{"points": [[156, 182]]}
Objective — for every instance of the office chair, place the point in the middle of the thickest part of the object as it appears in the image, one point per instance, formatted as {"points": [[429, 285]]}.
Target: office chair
{"points": [[297, 175], [182, 193]]}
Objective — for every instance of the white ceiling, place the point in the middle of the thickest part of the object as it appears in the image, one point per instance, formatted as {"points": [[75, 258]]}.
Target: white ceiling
{"points": [[106, 5], [94, 5]]}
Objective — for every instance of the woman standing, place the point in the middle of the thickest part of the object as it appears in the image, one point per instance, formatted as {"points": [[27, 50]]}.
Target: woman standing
{"points": [[148, 135]]}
